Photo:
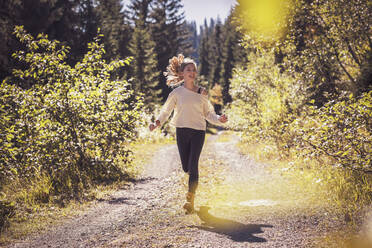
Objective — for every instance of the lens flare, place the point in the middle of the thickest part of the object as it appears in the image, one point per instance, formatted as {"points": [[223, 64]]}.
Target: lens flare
{"points": [[266, 19], [257, 203]]}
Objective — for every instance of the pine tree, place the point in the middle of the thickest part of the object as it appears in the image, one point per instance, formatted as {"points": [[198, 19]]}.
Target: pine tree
{"points": [[232, 55], [169, 35], [88, 24], [215, 55], [9, 13], [187, 36], [193, 39], [227, 66], [210, 51], [219, 53], [144, 71], [204, 50], [139, 9], [111, 23], [59, 19]]}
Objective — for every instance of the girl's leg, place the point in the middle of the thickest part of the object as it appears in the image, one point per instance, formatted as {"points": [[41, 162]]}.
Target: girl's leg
{"points": [[183, 143], [190, 143], [196, 145]]}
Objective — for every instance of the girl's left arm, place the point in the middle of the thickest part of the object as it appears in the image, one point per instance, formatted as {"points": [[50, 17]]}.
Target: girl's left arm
{"points": [[211, 115]]}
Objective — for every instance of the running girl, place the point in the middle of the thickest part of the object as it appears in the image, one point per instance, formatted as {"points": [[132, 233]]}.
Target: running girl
{"points": [[191, 110]]}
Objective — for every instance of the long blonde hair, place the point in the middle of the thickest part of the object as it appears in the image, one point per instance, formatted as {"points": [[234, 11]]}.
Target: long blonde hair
{"points": [[174, 69]]}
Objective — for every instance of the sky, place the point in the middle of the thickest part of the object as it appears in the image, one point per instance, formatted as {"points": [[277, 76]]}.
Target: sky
{"points": [[198, 10]]}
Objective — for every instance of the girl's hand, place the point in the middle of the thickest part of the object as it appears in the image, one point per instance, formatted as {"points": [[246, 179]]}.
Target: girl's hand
{"points": [[223, 118], [204, 91], [153, 126]]}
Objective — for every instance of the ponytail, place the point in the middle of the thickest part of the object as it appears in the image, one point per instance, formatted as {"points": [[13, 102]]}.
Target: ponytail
{"points": [[174, 69]]}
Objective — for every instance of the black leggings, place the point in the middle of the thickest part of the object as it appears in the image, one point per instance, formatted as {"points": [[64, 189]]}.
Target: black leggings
{"points": [[190, 143]]}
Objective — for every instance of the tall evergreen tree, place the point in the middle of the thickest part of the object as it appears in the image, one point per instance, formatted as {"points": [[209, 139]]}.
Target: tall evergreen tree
{"points": [[215, 55], [139, 9], [204, 50], [144, 71], [193, 39], [233, 55], [168, 33], [210, 51], [59, 19], [72, 22], [227, 67], [219, 53], [89, 22], [111, 22], [9, 13], [186, 37]]}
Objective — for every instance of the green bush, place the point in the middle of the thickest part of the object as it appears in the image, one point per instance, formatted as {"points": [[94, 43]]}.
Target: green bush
{"points": [[340, 130], [264, 97], [270, 106], [70, 123]]}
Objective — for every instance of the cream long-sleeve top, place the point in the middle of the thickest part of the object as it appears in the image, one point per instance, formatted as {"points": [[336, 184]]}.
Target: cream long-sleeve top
{"points": [[191, 110]]}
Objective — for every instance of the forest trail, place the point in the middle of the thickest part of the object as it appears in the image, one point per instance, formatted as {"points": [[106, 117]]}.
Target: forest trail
{"points": [[241, 203]]}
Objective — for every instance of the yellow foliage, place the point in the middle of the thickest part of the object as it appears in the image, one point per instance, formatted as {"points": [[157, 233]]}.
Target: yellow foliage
{"points": [[216, 95]]}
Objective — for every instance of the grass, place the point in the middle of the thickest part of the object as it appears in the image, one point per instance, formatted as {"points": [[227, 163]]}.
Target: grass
{"points": [[143, 151]]}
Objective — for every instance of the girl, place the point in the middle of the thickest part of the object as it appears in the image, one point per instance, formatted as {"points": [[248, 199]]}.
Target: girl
{"points": [[191, 110]]}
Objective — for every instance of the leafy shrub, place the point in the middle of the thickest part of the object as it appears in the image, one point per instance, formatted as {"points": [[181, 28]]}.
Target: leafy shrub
{"points": [[270, 107], [70, 123], [340, 130], [332, 143], [264, 98]]}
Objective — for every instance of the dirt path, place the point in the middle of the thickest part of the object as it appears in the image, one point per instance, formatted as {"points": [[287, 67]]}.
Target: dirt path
{"points": [[241, 205]]}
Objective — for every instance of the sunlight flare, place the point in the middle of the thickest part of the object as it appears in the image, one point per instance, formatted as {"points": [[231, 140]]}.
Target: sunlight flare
{"points": [[257, 203], [265, 19]]}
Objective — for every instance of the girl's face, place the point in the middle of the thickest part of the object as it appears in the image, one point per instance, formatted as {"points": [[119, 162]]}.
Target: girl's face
{"points": [[189, 72]]}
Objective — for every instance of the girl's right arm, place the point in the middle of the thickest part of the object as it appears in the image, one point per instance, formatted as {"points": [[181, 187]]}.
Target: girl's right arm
{"points": [[165, 112]]}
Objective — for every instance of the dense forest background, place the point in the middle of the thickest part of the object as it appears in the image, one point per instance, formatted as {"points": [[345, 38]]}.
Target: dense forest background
{"points": [[150, 32], [81, 80]]}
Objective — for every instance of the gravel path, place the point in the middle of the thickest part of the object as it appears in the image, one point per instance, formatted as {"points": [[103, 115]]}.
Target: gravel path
{"points": [[240, 205]]}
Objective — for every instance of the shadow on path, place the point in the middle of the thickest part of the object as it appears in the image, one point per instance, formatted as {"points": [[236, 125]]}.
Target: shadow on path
{"points": [[235, 230], [140, 180], [120, 200]]}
